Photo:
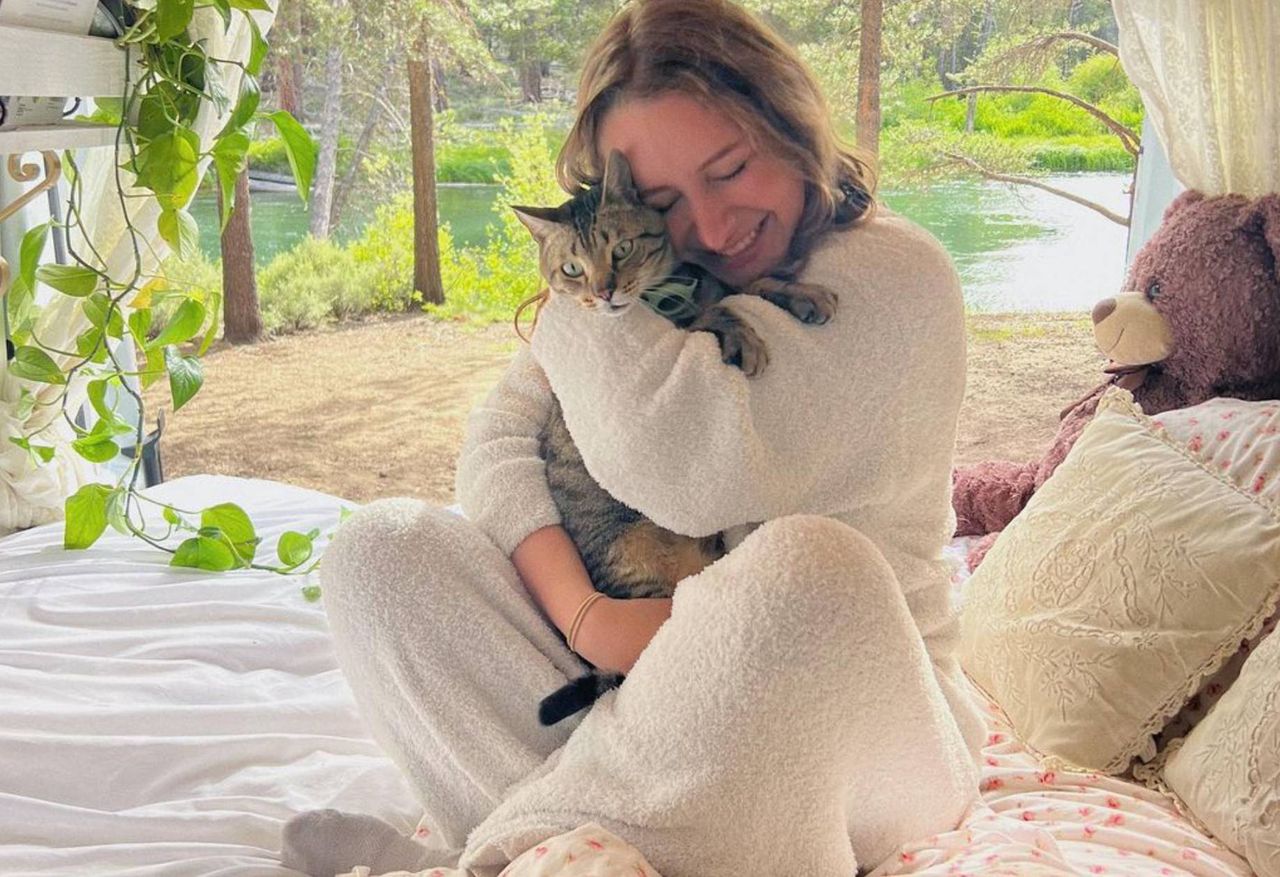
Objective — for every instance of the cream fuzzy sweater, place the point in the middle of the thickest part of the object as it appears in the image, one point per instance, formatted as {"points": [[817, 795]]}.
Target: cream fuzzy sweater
{"points": [[854, 420]]}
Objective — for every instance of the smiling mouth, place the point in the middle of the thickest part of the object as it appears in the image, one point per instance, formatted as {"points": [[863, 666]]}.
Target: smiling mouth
{"points": [[743, 245]]}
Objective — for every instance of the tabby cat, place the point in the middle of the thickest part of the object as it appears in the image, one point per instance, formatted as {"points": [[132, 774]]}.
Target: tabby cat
{"points": [[609, 251]]}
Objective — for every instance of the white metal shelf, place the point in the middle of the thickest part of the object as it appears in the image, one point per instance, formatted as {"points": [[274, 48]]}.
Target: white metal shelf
{"points": [[45, 63], [64, 135]]}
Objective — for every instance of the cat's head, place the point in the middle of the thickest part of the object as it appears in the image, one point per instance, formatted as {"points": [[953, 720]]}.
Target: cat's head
{"points": [[602, 247]]}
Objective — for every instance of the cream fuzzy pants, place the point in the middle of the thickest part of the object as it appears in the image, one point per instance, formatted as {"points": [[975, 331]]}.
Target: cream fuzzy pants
{"points": [[785, 720]]}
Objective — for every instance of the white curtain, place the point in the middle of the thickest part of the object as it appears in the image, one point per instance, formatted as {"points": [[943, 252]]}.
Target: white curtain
{"points": [[1208, 71], [31, 494]]}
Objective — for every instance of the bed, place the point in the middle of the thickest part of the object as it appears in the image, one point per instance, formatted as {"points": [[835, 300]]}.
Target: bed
{"points": [[162, 722]]}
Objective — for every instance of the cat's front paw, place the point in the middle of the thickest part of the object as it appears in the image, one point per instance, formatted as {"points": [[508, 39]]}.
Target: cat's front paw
{"points": [[808, 302], [741, 346]]}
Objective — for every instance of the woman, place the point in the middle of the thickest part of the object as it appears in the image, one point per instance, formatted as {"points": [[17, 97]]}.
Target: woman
{"points": [[797, 707]]}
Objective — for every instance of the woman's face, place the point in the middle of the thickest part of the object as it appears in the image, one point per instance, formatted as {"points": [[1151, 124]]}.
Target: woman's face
{"points": [[728, 207]]}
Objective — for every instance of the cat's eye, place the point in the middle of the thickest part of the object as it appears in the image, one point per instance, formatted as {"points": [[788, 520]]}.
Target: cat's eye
{"points": [[571, 269], [623, 249]]}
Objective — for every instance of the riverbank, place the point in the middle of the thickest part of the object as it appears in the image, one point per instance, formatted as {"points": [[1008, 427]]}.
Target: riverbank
{"points": [[378, 408]]}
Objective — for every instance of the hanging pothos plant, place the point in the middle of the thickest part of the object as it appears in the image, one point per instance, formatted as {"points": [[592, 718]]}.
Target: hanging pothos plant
{"points": [[173, 77]]}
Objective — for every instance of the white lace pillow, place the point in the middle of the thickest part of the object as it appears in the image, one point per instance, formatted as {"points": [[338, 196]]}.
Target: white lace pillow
{"points": [[1241, 440], [1227, 772], [1130, 578]]}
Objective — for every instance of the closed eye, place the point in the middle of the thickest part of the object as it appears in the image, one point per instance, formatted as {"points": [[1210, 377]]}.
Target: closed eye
{"points": [[729, 176]]}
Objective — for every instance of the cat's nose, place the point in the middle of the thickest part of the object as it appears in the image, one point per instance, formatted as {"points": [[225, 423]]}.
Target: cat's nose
{"points": [[604, 292]]}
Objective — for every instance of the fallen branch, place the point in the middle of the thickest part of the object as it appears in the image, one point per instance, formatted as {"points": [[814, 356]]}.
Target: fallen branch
{"points": [[1044, 42], [1128, 137], [1029, 181]]}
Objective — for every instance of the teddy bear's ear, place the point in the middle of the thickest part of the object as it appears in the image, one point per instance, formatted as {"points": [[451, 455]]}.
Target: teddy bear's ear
{"points": [[1186, 199], [1269, 208]]}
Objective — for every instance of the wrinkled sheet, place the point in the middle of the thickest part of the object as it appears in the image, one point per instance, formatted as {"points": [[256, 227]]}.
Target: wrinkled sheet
{"points": [[156, 721]]}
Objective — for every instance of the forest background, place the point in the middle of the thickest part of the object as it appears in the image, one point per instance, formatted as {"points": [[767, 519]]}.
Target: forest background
{"points": [[481, 91], [350, 360]]}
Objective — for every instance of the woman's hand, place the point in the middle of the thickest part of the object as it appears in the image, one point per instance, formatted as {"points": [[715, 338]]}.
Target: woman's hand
{"points": [[614, 632]]}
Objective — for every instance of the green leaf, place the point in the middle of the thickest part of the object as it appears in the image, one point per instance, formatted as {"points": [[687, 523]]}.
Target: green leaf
{"points": [[235, 527], [179, 230], [211, 333], [186, 376], [257, 48], [26, 404], [201, 552], [172, 18], [30, 251], [86, 512], [185, 323], [294, 548], [246, 106], [99, 311], [258, 5], [171, 516], [97, 391], [168, 167], [311, 593], [153, 113], [230, 158], [224, 9], [300, 149], [89, 344], [39, 453], [73, 280], [96, 448], [33, 364], [140, 325], [117, 511], [154, 369]]}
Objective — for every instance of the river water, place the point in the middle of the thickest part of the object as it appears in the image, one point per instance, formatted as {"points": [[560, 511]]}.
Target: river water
{"points": [[1016, 248]]}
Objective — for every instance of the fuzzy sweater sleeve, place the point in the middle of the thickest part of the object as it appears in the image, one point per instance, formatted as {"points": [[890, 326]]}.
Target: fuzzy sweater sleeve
{"points": [[501, 482], [847, 417]]}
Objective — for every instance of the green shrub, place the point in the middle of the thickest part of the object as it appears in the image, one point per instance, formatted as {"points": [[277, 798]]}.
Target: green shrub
{"points": [[384, 254], [309, 285]]}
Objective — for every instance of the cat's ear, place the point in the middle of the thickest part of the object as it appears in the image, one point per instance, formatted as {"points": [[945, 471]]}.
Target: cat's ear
{"points": [[540, 221], [619, 187]]}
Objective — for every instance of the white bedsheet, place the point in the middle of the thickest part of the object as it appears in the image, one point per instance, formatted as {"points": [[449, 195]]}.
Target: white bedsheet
{"points": [[163, 722]]}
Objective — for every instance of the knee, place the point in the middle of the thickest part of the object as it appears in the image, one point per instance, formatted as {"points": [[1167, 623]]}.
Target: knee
{"points": [[821, 563], [380, 554]]}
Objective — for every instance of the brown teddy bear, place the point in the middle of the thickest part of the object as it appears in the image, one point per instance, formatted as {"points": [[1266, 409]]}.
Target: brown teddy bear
{"points": [[1201, 319]]}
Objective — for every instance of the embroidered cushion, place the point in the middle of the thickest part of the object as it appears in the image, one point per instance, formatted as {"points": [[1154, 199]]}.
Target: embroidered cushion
{"points": [[1227, 771], [1130, 578]]}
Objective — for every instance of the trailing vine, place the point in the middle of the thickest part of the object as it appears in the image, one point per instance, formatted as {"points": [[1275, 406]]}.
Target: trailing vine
{"points": [[157, 143]]}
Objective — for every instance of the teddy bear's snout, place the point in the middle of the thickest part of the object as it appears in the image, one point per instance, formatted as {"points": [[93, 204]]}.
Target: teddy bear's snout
{"points": [[1103, 309]]}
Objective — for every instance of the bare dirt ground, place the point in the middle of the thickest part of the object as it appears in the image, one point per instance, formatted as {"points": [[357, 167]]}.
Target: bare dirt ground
{"points": [[376, 409]]}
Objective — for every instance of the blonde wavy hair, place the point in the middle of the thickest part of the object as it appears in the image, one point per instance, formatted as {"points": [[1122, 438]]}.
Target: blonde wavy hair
{"points": [[720, 54]]}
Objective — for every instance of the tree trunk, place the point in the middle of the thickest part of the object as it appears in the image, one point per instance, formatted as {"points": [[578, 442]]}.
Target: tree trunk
{"points": [[531, 80], [371, 120], [289, 70], [241, 321], [327, 163], [437, 81], [426, 244], [970, 113], [868, 122]]}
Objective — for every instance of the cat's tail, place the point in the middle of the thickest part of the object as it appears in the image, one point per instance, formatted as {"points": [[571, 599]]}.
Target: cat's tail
{"points": [[576, 695]]}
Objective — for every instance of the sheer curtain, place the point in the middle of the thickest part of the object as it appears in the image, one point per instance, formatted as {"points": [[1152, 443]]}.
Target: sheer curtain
{"points": [[31, 494], [1208, 72]]}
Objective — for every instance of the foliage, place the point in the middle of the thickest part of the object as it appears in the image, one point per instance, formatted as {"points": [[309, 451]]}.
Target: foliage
{"points": [[176, 82], [315, 282]]}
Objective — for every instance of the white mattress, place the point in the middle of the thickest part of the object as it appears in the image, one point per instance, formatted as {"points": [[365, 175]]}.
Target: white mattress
{"points": [[156, 721], [163, 722]]}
